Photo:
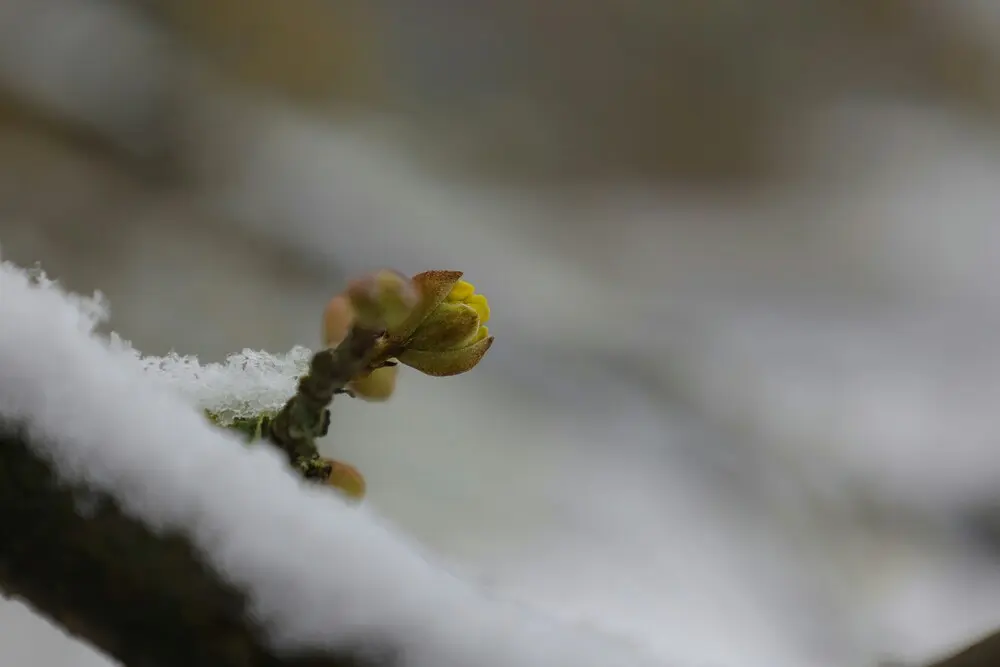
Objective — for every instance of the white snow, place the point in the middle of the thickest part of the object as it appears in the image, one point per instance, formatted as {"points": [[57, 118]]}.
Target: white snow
{"points": [[247, 384], [320, 573]]}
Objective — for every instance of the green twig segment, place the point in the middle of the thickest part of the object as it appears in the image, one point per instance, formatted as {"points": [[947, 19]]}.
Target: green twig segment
{"points": [[306, 416]]}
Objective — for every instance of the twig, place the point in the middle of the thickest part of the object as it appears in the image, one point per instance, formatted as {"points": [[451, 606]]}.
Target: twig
{"points": [[305, 417]]}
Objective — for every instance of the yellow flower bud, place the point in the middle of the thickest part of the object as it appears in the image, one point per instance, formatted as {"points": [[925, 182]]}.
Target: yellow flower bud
{"points": [[433, 322], [347, 479], [449, 338]]}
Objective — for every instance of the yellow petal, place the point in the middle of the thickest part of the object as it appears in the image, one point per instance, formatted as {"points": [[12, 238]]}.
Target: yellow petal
{"points": [[442, 363], [377, 385], [461, 291], [449, 325], [433, 287], [482, 306], [348, 479]]}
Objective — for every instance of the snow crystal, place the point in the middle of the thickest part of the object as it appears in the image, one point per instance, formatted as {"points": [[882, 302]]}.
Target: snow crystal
{"points": [[319, 572], [247, 384]]}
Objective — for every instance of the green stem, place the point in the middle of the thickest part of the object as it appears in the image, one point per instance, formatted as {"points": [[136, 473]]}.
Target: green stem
{"points": [[305, 417]]}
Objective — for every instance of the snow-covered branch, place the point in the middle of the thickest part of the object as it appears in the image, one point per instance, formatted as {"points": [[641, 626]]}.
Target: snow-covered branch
{"points": [[105, 465], [143, 596]]}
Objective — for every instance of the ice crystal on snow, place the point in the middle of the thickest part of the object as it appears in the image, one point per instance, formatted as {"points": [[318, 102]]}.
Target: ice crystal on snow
{"points": [[247, 384]]}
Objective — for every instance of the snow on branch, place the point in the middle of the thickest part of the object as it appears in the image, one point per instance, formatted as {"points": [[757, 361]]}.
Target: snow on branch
{"points": [[277, 568]]}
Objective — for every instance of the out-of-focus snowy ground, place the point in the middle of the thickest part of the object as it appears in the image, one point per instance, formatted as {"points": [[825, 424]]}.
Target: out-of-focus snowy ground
{"points": [[746, 433]]}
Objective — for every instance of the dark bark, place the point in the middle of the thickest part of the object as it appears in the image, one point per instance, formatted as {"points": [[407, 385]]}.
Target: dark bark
{"points": [[145, 599], [983, 653]]}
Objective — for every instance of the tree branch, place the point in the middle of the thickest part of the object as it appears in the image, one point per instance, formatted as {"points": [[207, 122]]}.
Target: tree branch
{"points": [[983, 653], [145, 599]]}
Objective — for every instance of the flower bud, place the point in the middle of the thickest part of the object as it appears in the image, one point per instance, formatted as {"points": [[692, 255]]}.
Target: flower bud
{"points": [[433, 322], [347, 479], [337, 319], [449, 325], [451, 337], [384, 300], [376, 386], [432, 287]]}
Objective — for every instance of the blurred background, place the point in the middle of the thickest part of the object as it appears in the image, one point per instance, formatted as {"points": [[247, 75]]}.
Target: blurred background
{"points": [[742, 258]]}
